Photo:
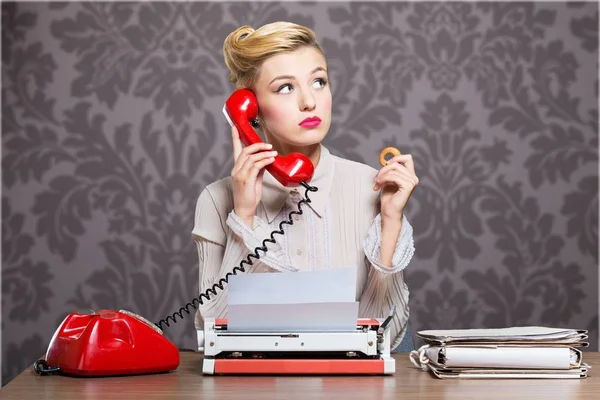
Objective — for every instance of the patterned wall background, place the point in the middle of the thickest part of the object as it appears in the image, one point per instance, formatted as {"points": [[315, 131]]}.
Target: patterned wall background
{"points": [[112, 125]]}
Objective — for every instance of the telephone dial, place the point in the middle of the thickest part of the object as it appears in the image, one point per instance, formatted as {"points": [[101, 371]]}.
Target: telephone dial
{"points": [[108, 342]]}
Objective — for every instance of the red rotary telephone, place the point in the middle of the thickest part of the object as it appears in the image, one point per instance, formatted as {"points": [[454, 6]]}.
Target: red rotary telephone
{"points": [[107, 343], [241, 109]]}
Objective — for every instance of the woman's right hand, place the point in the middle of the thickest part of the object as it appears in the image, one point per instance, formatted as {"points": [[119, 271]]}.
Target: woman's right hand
{"points": [[247, 175]]}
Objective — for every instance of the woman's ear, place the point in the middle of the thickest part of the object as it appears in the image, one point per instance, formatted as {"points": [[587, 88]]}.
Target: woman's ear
{"points": [[260, 122]]}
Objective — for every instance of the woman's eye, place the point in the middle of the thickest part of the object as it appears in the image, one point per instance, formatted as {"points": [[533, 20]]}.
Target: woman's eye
{"points": [[282, 89], [321, 81], [287, 85]]}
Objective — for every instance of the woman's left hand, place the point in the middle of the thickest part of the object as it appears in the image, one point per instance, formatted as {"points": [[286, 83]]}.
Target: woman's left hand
{"points": [[398, 180]]}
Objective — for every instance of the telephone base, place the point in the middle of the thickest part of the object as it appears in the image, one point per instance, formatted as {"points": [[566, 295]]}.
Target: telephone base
{"points": [[108, 343]]}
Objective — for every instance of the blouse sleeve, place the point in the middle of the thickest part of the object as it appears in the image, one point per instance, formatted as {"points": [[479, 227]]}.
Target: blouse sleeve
{"points": [[385, 286], [219, 252], [402, 253]]}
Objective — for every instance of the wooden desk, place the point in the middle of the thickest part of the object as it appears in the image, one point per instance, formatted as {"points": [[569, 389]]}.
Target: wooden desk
{"points": [[187, 382]]}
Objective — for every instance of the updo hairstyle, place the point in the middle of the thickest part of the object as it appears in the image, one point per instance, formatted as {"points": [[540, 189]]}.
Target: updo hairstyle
{"points": [[245, 49]]}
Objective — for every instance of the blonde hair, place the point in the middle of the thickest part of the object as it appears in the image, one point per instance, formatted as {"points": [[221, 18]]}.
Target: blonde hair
{"points": [[245, 49]]}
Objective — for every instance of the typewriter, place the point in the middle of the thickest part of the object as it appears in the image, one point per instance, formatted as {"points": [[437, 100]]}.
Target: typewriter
{"points": [[365, 351]]}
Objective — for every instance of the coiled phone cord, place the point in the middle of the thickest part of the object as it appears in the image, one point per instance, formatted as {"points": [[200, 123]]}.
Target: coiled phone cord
{"points": [[42, 367], [219, 285]]}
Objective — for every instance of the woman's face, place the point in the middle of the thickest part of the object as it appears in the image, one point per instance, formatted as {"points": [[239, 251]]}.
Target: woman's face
{"points": [[291, 88]]}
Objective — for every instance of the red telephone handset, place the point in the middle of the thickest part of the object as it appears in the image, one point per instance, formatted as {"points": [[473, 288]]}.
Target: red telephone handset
{"points": [[290, 170], [106, 343]]}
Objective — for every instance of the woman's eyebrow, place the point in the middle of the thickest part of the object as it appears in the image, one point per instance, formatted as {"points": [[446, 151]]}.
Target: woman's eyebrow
{"points": [[292, 77]]}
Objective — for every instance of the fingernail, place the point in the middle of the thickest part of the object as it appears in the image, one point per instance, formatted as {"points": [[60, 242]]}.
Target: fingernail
{"points": [[269, 145], [274, 152]]}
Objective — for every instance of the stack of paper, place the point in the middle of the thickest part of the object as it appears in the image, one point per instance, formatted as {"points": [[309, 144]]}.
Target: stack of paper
{"points": [[518, 352], [306, 301]]}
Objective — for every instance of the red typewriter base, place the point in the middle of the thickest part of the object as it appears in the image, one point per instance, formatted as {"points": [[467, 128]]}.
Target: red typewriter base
{"points": [[297, 367]]}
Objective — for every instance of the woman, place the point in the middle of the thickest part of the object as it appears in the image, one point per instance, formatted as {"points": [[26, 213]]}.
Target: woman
{"points": [[355, 218]]}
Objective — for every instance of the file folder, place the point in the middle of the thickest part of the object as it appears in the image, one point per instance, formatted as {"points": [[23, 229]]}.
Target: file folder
{"points": [[516, 352]]}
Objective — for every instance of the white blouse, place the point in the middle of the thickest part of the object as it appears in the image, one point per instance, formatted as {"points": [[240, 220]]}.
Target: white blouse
{"points": [[340, 227]]}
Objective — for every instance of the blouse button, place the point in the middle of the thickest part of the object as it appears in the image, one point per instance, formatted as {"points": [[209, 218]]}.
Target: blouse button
{"points": [[298, 252], [296, 217], [295, 196]]}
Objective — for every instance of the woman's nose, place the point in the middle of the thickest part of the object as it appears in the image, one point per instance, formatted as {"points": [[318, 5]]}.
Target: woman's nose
{"points": [[307, 101]]}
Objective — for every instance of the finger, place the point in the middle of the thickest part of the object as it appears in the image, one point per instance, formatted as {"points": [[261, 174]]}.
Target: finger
{"points": [[390, 167], [258, 168], [255, 148], [405, 159], [248, 151], [410, 177], [384, 170], [237, 143], [391, 178], [398, 169], [254, 159], [402, 180], [395, 183]]}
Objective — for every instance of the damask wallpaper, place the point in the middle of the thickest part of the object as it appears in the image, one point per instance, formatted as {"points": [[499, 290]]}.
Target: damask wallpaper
{"points": [[112, 126]]}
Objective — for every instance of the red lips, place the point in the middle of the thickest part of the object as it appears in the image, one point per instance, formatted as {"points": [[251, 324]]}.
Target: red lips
{"points": [[310, 122]]}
